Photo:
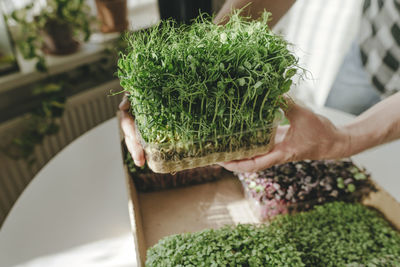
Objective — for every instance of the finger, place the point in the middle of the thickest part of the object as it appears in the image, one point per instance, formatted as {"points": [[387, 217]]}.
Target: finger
{"points": [[124, 105], [237, 166], [291, 110], [289, 107], [287, 103], [255, 164], [276, 156], [137, 154], [127, 124], [131, 139], [296, 112], [136, 151]]}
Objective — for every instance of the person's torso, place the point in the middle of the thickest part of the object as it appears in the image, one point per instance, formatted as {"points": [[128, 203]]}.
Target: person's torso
{"points": [[380, 44]]}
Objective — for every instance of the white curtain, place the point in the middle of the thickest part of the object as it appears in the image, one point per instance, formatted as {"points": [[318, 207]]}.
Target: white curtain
{"points": [[321, 32]]}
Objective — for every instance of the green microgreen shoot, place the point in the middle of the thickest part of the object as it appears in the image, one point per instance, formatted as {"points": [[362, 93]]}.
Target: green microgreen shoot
{"points": [[200, 82], [334, 234]]}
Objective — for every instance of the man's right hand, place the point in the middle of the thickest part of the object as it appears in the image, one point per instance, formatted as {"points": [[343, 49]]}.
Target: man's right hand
{"points": [[128, 127], [309, 136]]}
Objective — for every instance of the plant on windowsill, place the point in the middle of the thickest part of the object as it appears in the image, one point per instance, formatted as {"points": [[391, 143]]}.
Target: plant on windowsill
{"points": [[54, 28], [41, 122], [51, 94], [113, 15]]}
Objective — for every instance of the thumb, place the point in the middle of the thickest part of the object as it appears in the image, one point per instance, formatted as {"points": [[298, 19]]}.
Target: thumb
{"points": [[262, 162], [274, 157], [124, 105], [293, 109]]}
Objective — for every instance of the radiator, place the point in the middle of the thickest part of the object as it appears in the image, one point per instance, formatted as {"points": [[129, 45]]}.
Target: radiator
{"points": [[83, 112]]}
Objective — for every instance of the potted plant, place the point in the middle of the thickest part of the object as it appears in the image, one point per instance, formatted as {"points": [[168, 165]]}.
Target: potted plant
{"points": [[113, 15], [204, 93], [42, 121], [8, 62], [54, 28]]}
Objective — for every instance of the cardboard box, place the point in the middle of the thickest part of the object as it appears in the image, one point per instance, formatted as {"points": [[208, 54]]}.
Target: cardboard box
{"points": [[211, 205]]}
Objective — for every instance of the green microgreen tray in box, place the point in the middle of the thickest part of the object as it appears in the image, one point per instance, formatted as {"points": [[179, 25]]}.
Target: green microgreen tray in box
{"points": [[297, 186], [206, 91], [334, 234]]}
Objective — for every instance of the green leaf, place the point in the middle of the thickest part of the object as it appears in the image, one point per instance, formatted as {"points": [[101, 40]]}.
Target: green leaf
{"points": [[360, 176], [241, 81], [258, 84], [41, 65], [247, 64], [286, 85], [351, 188], [290, 73]]}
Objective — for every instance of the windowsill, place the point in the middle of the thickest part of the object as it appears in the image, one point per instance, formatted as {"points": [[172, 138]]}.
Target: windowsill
{"points": [[140, 16]]}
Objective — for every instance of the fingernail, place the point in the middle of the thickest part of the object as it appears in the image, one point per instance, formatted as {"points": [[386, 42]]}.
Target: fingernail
{"points": [[139, 163], [122, 104]]}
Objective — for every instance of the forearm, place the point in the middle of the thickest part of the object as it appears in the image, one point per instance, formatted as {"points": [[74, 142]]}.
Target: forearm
{"points": [[378, 125], [254, 10]]}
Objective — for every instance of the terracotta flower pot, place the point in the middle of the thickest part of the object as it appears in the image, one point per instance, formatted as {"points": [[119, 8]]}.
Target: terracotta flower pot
{"points": [[58, 38], [113, 15]]}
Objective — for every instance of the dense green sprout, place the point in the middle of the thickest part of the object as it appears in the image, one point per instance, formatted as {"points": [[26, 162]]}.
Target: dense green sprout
{"points": [[334, 234], [203, 81]]}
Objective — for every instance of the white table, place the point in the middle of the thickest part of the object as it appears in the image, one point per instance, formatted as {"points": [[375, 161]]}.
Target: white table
{"points": [[74, 213]]}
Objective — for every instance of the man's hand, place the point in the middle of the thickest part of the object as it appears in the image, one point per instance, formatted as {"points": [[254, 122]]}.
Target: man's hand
{"points": [[254, 8], [309, 136], [131, 140]]}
